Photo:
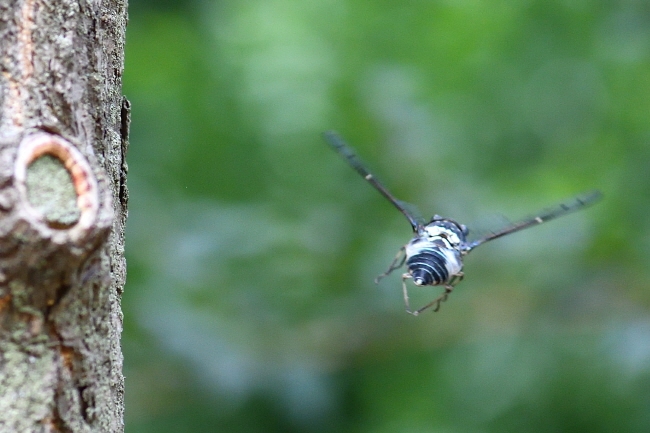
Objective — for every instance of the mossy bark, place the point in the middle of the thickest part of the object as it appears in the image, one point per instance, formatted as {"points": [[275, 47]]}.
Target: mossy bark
{"points": [[63, 139]]}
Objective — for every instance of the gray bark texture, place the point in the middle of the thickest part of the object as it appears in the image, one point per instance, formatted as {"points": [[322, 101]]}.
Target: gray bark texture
{"points": [[63, 138]]}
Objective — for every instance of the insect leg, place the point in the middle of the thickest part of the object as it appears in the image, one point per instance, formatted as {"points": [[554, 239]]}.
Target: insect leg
{"points": [[397, 263], [439, 300], [406, 293]]}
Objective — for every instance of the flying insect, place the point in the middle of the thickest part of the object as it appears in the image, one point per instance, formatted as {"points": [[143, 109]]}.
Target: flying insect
{"points": [[434, 256]]}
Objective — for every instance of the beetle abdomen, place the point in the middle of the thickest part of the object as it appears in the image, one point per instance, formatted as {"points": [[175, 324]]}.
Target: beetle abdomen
{"points": [[428, 267]]}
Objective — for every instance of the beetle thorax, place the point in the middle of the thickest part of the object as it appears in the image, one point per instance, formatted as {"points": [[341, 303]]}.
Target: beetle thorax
{"points": [[437, 233]]}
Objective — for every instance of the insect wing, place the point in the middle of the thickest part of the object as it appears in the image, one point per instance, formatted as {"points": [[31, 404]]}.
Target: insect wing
{"points": [[577, 203], [342, 148]]}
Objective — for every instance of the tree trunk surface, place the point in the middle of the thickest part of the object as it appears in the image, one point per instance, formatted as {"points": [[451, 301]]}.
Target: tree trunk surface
{"points": [[63, 139]]}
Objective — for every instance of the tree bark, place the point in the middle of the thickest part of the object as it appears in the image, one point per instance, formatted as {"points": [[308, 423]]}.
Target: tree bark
{"points": [[63, 138]]}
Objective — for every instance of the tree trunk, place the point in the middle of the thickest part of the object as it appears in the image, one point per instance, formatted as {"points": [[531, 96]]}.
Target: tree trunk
{"points": [[63, 138]]}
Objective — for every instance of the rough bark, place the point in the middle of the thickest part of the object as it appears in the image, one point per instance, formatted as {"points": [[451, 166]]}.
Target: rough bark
{"points": [[63, 138]]}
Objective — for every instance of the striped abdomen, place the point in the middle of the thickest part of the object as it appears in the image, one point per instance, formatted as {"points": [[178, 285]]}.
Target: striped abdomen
{"points": [[429, 267]]}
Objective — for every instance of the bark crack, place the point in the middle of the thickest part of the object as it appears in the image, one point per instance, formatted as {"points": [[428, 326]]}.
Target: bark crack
{"points": [[14, 105]]}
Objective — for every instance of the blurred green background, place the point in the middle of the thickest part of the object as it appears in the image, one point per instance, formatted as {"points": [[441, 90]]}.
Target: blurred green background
{"points": [[252, 248]]}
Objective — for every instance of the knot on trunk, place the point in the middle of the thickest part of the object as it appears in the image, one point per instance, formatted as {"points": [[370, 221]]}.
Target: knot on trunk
{"points": [[54, 216]]}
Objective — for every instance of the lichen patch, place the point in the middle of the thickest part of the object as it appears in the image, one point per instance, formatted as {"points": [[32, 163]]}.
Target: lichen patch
{"points": [[51, 191]]}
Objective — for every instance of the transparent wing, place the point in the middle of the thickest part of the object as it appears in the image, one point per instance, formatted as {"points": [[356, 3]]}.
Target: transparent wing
{"points": [[415, 213], [486, 225], [342, 148], [575, 204]]}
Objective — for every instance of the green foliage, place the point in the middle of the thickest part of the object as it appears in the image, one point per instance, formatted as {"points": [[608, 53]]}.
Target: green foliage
{"points": [[252, 247]]}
